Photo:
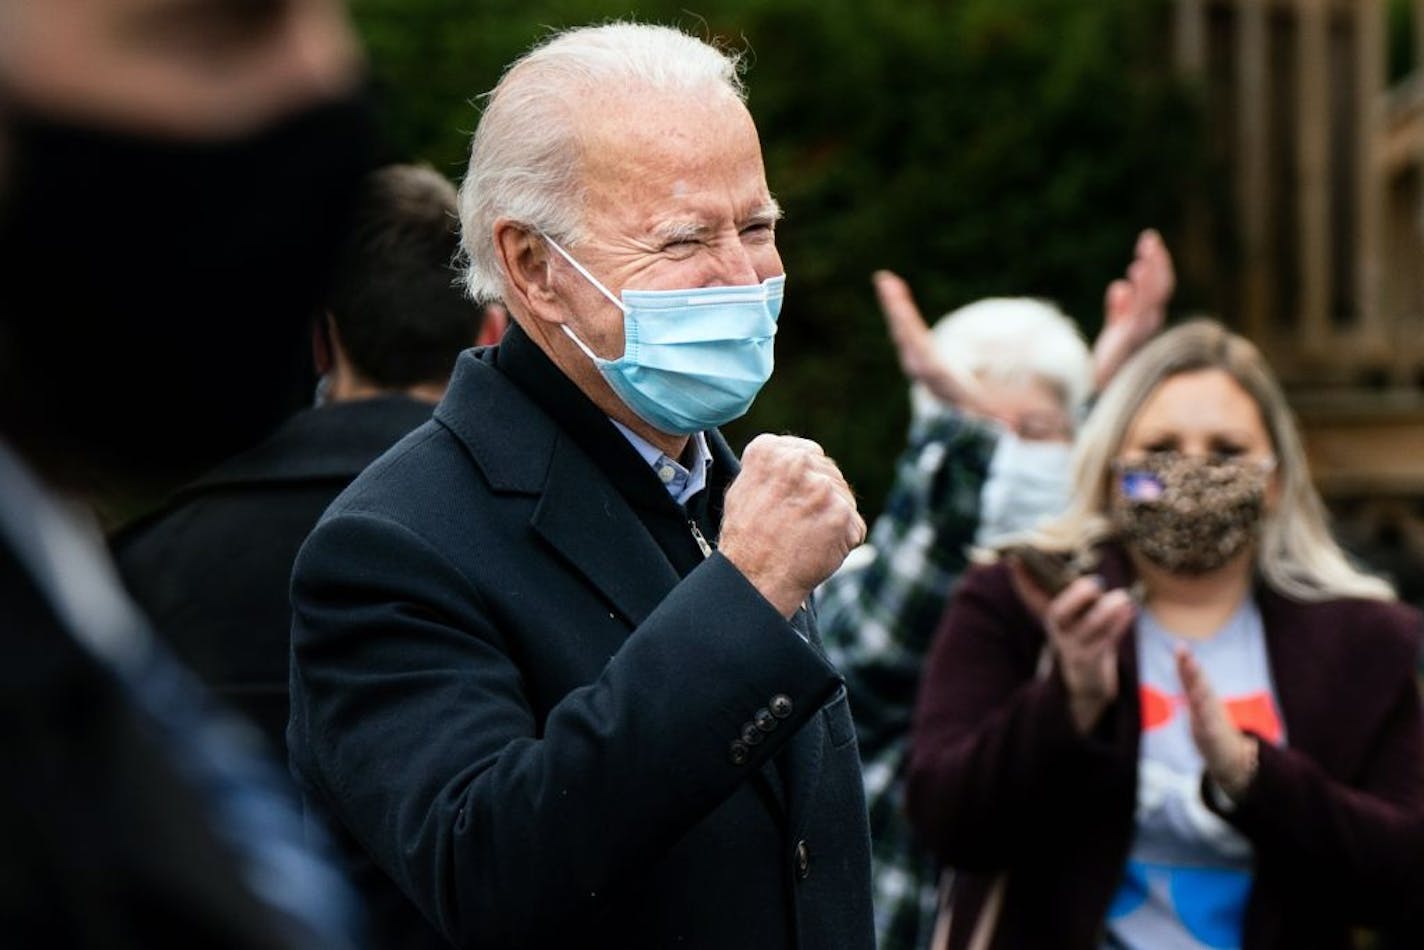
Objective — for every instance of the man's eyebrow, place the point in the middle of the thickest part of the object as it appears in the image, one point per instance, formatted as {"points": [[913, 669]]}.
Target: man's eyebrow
{"points": [[768, 213], [694, 229], [680, 229]]}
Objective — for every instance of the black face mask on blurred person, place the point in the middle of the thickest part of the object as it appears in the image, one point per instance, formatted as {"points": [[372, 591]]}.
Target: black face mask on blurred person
{"points": [[156, 294]]}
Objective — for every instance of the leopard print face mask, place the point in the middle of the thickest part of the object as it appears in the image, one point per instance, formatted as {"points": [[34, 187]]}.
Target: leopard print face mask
{"points": [[1187, 514]]}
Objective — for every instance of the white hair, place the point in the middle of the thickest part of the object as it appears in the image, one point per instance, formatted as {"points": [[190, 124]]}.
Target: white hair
{"points": [[525, 160], [1012, 340]]}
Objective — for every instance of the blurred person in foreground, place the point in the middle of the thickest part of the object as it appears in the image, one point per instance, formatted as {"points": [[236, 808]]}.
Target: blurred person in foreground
{"points": [[212, 567], [999, 386], [542, 707], [1214, 740], [176, 177]]}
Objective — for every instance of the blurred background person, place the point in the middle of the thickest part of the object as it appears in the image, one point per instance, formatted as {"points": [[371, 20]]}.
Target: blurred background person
{"points": [[176, 180], [1215, 740], [997, 389], [213, 566]]}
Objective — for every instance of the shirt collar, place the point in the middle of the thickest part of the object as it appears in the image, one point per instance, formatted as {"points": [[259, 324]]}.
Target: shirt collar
{"points": [[681, 482]]}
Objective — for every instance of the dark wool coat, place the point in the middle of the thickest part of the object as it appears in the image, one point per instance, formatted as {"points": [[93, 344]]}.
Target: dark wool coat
{"points": [[537, 717], [213, 567]]}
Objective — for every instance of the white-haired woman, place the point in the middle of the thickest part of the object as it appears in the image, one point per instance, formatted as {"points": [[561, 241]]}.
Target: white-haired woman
{"points": [[1215, 739]]}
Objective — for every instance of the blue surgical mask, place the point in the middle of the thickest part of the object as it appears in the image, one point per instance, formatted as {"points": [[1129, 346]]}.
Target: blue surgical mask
{"points": [[692, 359]]}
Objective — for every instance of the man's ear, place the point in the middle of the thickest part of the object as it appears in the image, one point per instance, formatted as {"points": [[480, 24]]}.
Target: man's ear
{"points": [[528, 271]]}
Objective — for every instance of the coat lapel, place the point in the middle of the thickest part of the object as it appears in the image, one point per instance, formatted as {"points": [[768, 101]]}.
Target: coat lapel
{"points": [[590, 524], [1297, 673], [580, 513]]}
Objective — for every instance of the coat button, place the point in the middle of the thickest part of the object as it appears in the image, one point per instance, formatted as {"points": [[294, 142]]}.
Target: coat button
{"points": [[780, 705], [803, 860], [751, 735], [764, 720], [738, 752]]}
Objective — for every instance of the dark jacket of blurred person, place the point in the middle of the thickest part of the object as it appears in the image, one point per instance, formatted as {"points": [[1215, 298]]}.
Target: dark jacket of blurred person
{"points": [[148, 196], [212, 567]]}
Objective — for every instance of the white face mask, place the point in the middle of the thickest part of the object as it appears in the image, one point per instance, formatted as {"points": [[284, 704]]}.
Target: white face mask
{"points": [[1029, 480]]}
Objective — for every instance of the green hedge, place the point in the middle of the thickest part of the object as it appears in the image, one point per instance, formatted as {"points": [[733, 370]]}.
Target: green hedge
{"points": [[977, 146]]}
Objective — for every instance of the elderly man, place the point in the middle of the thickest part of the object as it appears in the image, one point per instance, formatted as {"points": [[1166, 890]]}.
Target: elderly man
{"points": [[553, 670]]}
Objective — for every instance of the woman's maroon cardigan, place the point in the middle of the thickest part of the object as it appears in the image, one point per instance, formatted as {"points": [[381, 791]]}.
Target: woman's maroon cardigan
{"points": [[999, 780]]}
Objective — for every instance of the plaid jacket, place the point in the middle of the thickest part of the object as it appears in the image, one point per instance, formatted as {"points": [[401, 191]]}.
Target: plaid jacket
{"points": [[878, 615]]}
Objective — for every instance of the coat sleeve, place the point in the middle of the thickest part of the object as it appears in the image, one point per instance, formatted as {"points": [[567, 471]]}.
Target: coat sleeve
{"points": [[996, 763], [1361, 840], [411, 719]]}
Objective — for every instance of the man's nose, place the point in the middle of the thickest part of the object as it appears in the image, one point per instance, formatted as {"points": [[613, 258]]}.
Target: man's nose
{"points": [[736, 265]]}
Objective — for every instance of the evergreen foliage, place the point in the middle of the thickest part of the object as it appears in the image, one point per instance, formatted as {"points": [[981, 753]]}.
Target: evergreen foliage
{"points": [[977, 147]]}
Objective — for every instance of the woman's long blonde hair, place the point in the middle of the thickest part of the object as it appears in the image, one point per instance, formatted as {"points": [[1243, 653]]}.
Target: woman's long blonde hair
{"points": [[1297, 555]]}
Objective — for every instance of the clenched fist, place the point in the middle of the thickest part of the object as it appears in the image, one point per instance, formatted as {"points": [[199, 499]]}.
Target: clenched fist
{"points": [[789, 519]]}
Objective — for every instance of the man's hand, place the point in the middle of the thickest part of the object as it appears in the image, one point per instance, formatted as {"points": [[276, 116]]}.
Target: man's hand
{"points": [[1134, 308], [789, 519], [1085, 626], [914, 344]]}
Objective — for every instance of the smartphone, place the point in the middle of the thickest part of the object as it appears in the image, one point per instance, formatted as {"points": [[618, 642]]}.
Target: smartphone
{"points": [[1050, 570]]}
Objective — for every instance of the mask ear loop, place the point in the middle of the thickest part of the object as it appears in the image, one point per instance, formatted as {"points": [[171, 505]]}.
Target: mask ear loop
{"points": [[584, 271], [593, 358], [592, 280]]}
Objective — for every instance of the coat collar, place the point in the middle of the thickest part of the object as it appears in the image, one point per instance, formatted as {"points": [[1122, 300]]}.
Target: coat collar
{"points": [[326, 442], [553, 442], [514, 457], [518, 383], [329, 444]]}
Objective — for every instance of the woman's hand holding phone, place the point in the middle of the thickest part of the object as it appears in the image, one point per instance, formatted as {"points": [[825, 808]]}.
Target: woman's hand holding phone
{"points": [[1084, 624]]}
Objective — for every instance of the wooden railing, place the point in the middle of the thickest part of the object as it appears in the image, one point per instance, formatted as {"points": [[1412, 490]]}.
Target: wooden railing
{"points": [[1325, 161]]}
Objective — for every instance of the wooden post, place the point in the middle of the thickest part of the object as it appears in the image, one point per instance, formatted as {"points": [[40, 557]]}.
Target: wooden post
{"points": [[1312, 144], [1370, 85], [1252, 177], [1418, 35], [1189, 36]]}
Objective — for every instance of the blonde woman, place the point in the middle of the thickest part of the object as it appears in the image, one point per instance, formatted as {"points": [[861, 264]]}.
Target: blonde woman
{"points": [[1213, 738]]}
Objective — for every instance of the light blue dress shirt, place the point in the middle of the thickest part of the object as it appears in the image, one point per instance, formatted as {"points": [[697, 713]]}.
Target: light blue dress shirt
{"points": [[682, 482]]}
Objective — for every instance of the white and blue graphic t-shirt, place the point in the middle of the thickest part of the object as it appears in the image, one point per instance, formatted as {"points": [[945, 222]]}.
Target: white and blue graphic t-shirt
{"points": [[1188, 874]]}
